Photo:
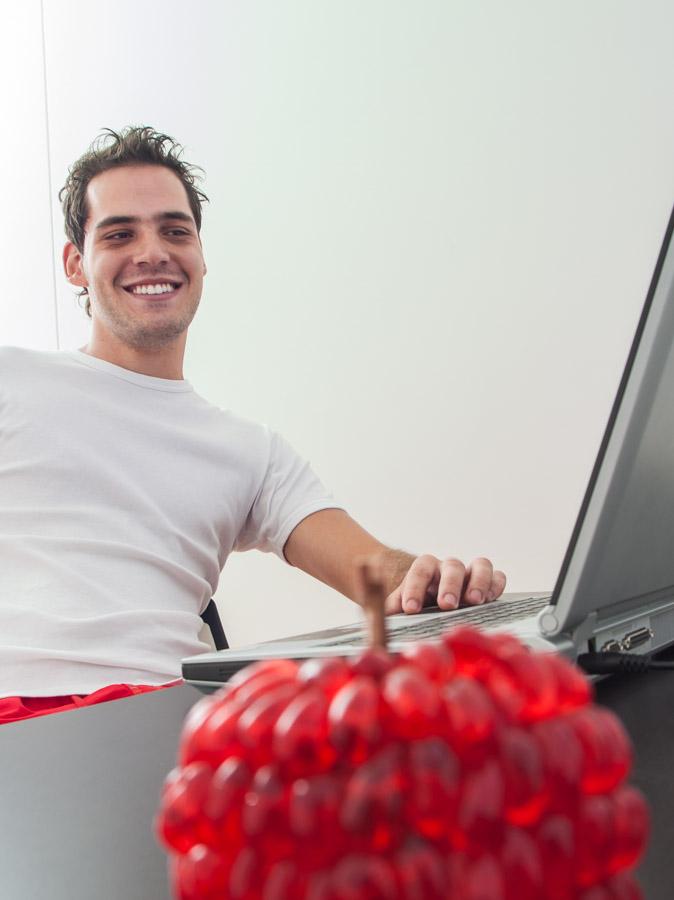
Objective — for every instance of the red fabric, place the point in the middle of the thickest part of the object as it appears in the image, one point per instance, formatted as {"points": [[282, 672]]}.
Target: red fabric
{"points": [[15, 709]]}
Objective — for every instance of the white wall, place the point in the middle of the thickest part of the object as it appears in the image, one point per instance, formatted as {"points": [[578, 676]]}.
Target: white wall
{"points": [[27, 307], [431, 230]]}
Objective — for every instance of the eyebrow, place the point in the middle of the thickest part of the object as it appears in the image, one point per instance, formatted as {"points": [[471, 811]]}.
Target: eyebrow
{"points": [[131, 220]]}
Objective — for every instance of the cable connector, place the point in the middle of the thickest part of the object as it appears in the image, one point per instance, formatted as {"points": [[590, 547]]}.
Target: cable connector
{"points": [[609, 662]]}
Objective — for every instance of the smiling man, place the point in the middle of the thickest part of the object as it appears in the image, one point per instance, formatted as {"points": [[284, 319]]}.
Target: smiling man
{"points": [[122, 491], [142, 263]]}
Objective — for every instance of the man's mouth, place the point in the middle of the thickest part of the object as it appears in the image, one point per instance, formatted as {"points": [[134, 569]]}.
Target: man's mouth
{"points": [[162, 290]]}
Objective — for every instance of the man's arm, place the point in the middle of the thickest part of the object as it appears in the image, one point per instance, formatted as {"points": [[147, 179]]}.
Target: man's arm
{"points": [[328, 545]]}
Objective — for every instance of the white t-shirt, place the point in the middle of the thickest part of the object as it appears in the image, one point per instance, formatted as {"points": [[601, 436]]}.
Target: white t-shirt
{"points": [[121, 497]]}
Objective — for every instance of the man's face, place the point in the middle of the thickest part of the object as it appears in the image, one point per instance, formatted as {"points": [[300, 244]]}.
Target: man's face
{"points": [[156, 245]]}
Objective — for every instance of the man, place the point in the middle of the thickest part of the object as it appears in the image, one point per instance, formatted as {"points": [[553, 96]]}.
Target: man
{"points": [[122, 492]]}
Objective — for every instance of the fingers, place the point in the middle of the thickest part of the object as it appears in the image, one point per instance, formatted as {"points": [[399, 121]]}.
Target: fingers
{"points": [[479, 575], [422, 578], [498, 583], [394, 602], [450, 580], [471, 585]]}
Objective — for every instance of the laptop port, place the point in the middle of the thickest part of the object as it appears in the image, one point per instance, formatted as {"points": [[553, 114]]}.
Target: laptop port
{"points": [[634, 638], [612, 646]]}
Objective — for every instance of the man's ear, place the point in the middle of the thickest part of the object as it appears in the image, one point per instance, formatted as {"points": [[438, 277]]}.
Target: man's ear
{"points": [[72, 266]]}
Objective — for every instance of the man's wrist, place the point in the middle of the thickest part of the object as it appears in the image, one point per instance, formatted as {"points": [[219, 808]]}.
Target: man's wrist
{"points": [[396, 564]]}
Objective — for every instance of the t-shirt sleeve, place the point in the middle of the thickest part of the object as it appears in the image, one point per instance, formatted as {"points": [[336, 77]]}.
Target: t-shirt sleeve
{"points": [[290, 491]]}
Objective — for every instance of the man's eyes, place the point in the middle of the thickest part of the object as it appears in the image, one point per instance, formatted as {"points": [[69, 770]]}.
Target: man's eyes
{"points": [[119, 235]]}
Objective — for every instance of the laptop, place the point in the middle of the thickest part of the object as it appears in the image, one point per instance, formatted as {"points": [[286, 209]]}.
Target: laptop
{"points": [[615, 588]]}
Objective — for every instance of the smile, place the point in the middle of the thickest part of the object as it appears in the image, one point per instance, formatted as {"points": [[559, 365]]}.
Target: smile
{"points": [[160, 289]]}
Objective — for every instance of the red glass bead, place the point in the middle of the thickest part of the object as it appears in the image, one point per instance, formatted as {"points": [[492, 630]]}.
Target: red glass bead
{"points": [[480, 819], [595, 835], [363, 877], [504, 646], [523, 687], [224, 801], [620, 887], [563, 760], [574, 690], [607, 752], [282, 667], [597, 892], [354, 723], [327, 674], [555, 839], [246, 876], [631, 828], [471, 717], [374, 801], [265, 814], [434, 660], [180, 823], [623, 887], [300, 737], [284, 881], [482, 879], [256, 723], [201, 874], [374, 662], [523, 873], [421, 872], [432, 797], [261, 686], [215, 737], [525, 790], [192, 748], [472, 649], [414, 702], [318, 886], [313, 816]]}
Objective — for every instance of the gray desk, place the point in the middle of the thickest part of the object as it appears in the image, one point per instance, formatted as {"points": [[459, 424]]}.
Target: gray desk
{"points": [[645, 705], [79, 791]]}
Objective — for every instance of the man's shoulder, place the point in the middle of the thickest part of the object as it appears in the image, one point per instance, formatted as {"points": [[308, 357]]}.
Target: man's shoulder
{"points": [[236, 424], [27, 355], [9, 352], [246, 435], [25, 364]]}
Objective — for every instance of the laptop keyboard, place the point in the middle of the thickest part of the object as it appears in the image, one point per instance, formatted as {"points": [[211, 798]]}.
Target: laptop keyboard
{"points": [[425, 627]]}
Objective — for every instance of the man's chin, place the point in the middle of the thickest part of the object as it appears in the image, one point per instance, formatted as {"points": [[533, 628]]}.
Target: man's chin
{"points": [[153, 339], [147, 333], [147, 336]]}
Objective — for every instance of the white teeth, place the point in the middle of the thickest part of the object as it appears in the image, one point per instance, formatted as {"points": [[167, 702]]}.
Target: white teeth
{"points": [[152, 289]]}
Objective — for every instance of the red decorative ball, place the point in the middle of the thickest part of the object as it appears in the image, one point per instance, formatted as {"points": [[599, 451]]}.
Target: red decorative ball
{"points": [[467, 768]]}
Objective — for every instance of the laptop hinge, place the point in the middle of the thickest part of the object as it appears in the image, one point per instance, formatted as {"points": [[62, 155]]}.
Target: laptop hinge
{"points": [[583, 633]]}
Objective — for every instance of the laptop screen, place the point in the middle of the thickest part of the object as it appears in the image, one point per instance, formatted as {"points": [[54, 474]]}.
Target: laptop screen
{"points": [[621, 550]]}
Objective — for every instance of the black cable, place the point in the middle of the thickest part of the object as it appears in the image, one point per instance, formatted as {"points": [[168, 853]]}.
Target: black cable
{"points": [[610, 662]]}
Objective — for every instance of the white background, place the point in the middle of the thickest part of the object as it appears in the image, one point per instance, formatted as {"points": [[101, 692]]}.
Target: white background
{"points": [[432, 227]]}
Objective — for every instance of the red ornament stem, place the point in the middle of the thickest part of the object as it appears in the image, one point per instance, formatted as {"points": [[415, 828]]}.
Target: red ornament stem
{"points": [[371, 582]]}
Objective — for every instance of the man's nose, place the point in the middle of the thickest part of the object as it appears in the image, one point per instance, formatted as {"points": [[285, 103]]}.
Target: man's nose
{"points": [[151, 249]]}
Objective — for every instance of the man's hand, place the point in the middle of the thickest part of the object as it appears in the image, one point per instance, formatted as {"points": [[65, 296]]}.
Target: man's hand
{"points": [[328, 545], [447, 582]]}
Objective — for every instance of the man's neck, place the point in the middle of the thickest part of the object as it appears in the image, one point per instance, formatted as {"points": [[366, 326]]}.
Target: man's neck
{"points": [[166, 362]]}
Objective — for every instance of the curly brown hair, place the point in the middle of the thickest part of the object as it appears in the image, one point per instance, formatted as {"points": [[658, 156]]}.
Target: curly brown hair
{"points": [[134, 145]]}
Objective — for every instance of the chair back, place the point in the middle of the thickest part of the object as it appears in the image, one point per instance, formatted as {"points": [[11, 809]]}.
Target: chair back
{"points": [[212, 618]]}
